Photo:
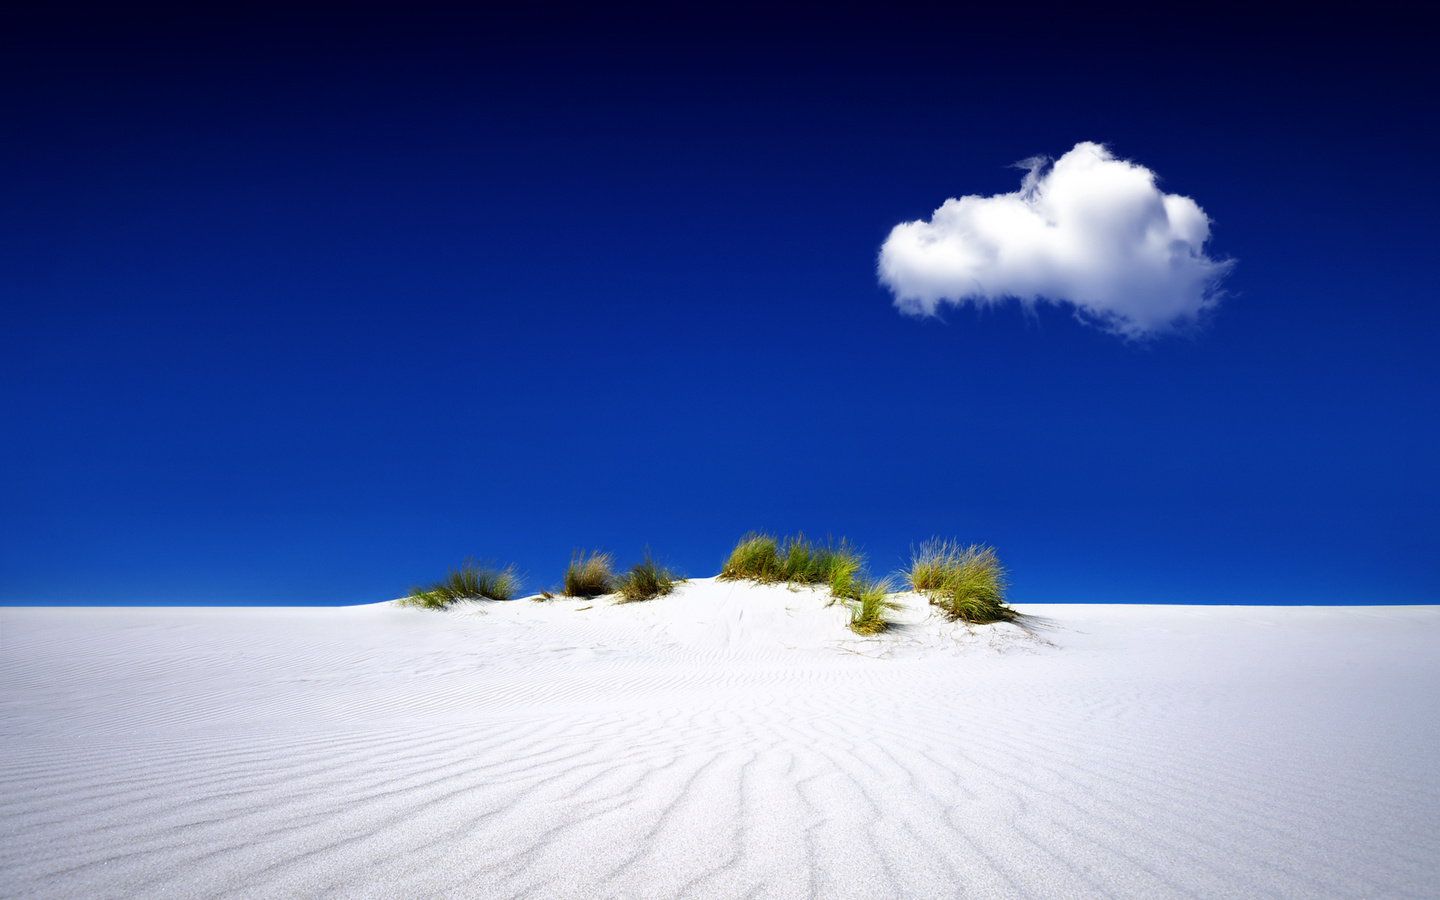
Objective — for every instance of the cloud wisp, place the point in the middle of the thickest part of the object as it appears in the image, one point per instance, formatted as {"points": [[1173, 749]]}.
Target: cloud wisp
{"points": [[1091, 231]]}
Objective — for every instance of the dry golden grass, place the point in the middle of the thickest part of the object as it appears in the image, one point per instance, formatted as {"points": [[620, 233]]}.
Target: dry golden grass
{"points": [[471, 581], [645, 580], [590, 576]]}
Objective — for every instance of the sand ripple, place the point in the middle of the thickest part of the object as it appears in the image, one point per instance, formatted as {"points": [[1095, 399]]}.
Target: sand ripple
{"points": [[717, 748]]}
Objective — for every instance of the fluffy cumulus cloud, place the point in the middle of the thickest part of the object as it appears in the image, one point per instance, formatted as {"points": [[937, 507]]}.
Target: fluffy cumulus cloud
{"points": [[1091, 231]]}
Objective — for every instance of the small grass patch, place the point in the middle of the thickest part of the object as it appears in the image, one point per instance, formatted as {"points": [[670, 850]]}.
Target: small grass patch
{"points": [[968, 584], [471, 581], [645, 580], [590, 576]]}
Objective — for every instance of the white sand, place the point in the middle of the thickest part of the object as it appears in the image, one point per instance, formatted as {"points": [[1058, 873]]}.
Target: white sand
{"points": [[728, 741]]}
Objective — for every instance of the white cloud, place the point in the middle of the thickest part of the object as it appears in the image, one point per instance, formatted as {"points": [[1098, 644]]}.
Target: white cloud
{"points": [[1092, 231]]}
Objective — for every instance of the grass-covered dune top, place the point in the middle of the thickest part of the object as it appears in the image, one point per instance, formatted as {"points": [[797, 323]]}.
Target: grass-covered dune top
{"points": [[965, 583], [796, 560]]}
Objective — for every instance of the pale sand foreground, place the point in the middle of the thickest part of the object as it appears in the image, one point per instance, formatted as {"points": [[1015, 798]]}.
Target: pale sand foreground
{"points": [[728, 741]]}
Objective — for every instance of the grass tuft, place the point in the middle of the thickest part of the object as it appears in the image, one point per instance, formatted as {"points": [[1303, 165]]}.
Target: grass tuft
{"points": [[931, 564], [842, 569], [756, 557], [471, 581], [967, 583], [590, 577], [868, 605], [646, 580]]}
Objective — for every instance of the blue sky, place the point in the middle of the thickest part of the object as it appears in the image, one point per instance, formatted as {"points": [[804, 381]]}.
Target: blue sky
{"points": [[302, 309]]}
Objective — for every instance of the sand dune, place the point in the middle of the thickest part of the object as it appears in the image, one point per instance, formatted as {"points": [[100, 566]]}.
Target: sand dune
{"points": [[726, 741]]}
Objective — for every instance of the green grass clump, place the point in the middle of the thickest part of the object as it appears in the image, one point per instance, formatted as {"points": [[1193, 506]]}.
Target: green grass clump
{"points": [[869, 604], [590, 576], [932, 564], [645, 580], [471, 581], [763, 558], [967, 583], [841, 568], [756, 556]]}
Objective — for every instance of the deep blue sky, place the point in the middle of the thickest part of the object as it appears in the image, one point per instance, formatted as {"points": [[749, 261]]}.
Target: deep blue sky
{"points": [[302, 309]]}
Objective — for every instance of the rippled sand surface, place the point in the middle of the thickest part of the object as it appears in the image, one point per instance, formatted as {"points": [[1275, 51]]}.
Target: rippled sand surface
{"points": [[727, 741]]}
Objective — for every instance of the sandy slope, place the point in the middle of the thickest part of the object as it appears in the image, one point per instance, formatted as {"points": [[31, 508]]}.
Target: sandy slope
{"points": [[728, 741]]}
